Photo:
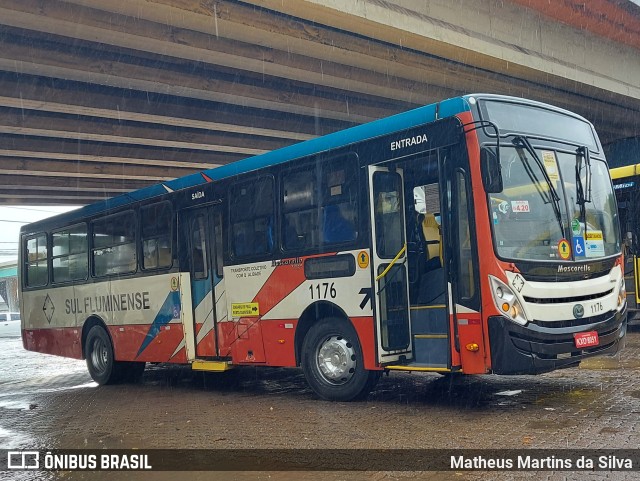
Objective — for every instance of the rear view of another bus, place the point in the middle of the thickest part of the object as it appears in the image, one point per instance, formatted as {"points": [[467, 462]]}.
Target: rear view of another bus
{"points": [[626, 184]]}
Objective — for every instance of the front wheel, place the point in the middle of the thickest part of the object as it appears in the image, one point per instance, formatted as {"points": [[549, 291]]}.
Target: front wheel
{"points": [[332, 362]]}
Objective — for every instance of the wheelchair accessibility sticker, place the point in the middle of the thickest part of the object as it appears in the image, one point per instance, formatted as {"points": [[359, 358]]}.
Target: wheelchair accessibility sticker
{"points": [[579, 246]]}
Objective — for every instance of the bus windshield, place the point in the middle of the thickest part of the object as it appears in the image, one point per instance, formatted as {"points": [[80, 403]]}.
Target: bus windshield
{"points": [[551, 197]]}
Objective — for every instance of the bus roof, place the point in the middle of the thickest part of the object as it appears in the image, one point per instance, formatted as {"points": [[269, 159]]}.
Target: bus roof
{"points": [[376, 128]]}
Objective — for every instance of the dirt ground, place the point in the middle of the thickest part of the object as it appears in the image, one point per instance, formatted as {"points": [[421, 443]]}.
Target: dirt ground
{"points": [[51, 403]]}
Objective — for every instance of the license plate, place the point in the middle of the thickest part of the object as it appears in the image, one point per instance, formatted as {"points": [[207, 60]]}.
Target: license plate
{"points": [[586, 339]]}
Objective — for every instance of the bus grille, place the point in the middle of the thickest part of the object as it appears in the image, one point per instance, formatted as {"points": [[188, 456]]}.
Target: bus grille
{"points": [[563, 300], [574, 322]]}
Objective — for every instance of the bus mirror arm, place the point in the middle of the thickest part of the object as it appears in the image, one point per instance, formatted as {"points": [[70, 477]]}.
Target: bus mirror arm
{"points": [[489, 159], [491, 170]]}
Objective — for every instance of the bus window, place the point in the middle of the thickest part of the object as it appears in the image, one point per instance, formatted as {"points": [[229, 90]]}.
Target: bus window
{"points": [[464, 276], [114, 248], [199, 247], [69, 254], [324, 214], [299, 201], [251, 216], [217, 229], [389, 232], [339, 187], [36, 256], [155, 230]]}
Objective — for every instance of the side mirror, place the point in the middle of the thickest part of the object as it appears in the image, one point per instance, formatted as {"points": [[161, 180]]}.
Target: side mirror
{"points": [[491, 170]]}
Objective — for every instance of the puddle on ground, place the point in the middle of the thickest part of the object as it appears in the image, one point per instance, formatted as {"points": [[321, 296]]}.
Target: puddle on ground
{"points": [[635, 394], [597, 363], [603, 363], [551, 424]]}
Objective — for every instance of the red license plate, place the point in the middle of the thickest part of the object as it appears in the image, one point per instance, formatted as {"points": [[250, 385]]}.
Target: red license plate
{"points": [[586, 339]]}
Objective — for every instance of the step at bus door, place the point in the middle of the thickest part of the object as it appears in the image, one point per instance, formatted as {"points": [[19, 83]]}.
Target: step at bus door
{"points": [[202, 231], [388, 259]]}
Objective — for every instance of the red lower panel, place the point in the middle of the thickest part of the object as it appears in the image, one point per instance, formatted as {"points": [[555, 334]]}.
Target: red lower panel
{"points": [[128, 339], [367, 336], [60, 342], [207, 345], [279, 342], [470, 334]]}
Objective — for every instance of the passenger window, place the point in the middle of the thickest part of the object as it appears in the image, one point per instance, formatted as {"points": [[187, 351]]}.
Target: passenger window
{"points": [[69, 254], [252, 217], [156, 231], [320, 206], [36, 261], [114, 247]]}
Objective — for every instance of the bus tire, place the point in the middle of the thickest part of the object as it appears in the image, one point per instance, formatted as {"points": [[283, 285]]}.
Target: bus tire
{"points": [[333, 364], [98, 352]]}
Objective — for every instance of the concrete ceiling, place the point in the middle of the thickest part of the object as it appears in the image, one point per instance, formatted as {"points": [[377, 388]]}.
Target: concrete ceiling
{"points": [[102, 97]]}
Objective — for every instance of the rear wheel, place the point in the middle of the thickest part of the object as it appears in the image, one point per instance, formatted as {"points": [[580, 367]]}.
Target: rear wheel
{"points": [[98, 352], [332, 362]]}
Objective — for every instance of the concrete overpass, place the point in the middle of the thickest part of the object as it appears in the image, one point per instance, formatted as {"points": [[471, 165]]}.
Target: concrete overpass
{"points": [[102, 97]]}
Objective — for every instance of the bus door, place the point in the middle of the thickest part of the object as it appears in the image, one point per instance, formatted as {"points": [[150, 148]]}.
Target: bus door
{"points": [[461, 258], [204, 240], [388, 260]]}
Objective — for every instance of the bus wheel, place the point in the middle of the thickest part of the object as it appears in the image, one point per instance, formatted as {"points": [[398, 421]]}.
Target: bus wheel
{"points": [[98, 352], [332, 362]]}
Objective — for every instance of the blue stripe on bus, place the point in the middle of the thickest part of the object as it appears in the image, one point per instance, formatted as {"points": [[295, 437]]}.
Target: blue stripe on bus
{"points": [[166, 313], [199, 290], [376, 128]]}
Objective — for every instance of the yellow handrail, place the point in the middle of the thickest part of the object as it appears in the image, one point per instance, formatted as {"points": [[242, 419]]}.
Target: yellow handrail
{"points": [[395, 259]]}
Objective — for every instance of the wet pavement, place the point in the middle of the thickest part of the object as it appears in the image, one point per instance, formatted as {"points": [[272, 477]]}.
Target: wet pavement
{"points": [[49, 402]]}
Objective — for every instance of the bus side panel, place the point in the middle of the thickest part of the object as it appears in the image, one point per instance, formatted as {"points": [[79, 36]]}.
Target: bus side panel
{"points": [[279, 341], [146, 324], [280, 292], [49, 322], [143, 317]]}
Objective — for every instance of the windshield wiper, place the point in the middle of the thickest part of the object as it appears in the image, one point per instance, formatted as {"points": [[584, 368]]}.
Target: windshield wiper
{"points": [[583, 152], [522, 141]]}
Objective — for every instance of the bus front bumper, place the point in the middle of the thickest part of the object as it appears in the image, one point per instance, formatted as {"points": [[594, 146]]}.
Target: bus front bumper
{"points": [[535, 349]]}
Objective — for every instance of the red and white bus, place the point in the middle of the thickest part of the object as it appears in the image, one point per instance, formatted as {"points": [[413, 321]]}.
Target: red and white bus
{"points": [[475, 235]]}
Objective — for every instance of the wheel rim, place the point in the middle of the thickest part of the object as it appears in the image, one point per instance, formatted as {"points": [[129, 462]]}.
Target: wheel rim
{"points": [[100, 355], [336, 360]]}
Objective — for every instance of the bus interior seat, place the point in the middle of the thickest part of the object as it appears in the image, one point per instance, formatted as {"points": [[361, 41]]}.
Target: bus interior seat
{"points": [[292, 239], [335, 228], [432, 288], [433, 241]]}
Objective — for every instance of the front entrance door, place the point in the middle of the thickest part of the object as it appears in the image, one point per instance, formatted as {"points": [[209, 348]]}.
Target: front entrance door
{"points": [[391, 287]]}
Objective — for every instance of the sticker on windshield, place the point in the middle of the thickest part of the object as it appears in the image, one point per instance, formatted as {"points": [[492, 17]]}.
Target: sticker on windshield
{"points": [[579, 248], [594, 243], [576, 228], [550, 164], [564, 249], [520, 206]]}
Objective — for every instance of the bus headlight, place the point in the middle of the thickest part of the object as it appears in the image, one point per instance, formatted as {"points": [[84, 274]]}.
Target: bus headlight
{"points": [[507, 302], [622, 295]]}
